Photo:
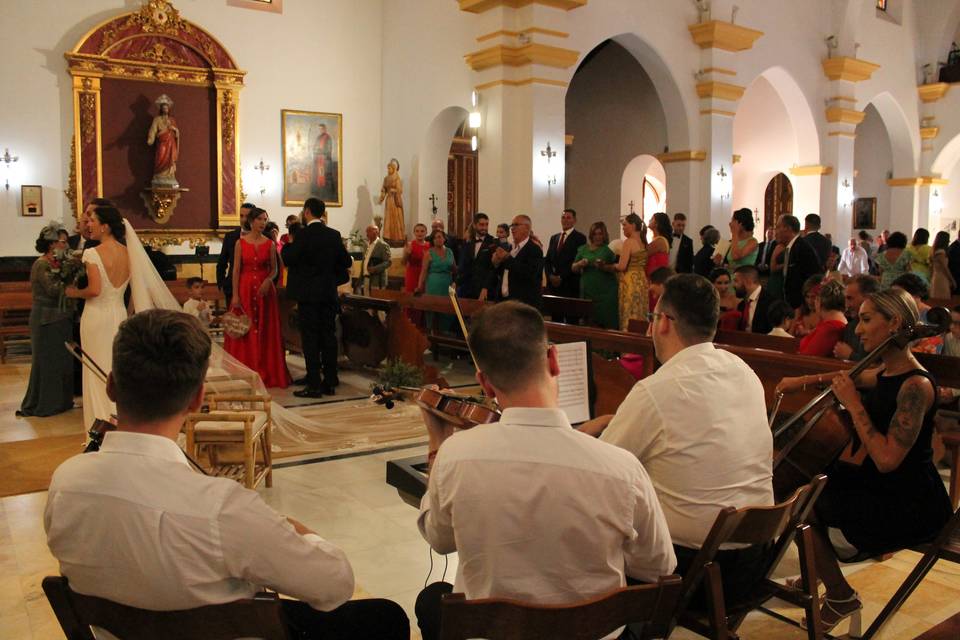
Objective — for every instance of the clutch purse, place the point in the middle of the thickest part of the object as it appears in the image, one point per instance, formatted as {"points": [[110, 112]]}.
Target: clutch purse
{"points": [[236, 323]]}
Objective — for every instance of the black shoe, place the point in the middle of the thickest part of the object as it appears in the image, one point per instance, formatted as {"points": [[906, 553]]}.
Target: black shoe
{"points": [[332, 383], [300, 381], [309, 393], [328, 390]]}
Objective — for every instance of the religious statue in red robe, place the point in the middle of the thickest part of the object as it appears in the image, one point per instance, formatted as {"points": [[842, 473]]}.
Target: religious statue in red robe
{"points": [[321, 157], [165, 135]]}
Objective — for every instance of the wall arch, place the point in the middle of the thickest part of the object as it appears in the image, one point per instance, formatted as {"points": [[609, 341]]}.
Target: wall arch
{"points": [[431, 169], [631, 184], [900, 132]]}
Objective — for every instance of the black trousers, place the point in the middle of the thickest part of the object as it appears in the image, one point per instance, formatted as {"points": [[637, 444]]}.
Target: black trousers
{"points": [[318, 332], [740, 571], [374, 618]]}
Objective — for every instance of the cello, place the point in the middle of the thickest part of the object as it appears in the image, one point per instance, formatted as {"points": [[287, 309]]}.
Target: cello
{"points": [[822, 430]]}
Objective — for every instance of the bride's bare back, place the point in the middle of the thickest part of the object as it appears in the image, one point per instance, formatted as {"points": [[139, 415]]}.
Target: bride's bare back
{"points": [[116, 265]]}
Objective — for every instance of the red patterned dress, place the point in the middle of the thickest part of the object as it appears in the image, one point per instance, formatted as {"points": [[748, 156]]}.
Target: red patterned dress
{"points": [[262, 348]]}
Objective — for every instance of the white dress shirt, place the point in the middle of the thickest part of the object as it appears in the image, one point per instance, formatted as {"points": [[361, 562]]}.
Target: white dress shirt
{"points": [[135, 524], [674, 250], [699, 426], [505, 285], [198, 309], [780, 332], [854, 262], [542, 513]]}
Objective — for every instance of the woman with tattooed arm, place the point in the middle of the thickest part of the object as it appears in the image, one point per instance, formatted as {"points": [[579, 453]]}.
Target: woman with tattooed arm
{"points": [[896, 498]]}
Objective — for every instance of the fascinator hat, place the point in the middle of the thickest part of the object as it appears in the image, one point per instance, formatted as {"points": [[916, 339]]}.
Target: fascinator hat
{"points": [[51, 232]]}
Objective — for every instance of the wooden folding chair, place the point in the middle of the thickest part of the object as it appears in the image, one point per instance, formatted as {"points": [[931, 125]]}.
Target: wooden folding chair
{"points": [[501, 619], [945, 547], [779, 525], [259, 617]]}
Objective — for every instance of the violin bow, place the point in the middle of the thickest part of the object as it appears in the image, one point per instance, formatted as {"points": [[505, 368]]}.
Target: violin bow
{"points": [[86, 360], [452, 291]]}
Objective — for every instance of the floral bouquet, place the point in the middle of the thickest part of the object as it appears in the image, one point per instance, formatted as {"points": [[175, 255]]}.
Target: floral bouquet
{"points": [[67, 272]]}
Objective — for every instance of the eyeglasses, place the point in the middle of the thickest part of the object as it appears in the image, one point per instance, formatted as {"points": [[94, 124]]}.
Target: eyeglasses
{"points": [[518, 224], [653, 315]]}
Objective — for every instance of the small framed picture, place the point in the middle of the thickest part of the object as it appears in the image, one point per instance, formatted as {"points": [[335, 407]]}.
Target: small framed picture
{"points": [[865, 213], [31, 200]]}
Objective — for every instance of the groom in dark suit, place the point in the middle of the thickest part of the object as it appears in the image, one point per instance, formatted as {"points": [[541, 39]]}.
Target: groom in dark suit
{"points": [[521, 267], [561, 252], [225, 260], [681, 251], [475, 267], [800, 260], [316, 262]]}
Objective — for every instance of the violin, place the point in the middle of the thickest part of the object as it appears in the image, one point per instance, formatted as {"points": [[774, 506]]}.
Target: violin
{"points": [[462, 411], [822, 432]]}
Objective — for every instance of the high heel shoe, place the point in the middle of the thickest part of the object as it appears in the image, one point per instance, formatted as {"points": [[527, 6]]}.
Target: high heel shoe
{"points": [[855, 615]]}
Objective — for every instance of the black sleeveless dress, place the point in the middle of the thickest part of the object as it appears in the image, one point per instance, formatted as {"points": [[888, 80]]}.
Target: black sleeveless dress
{"points": [[881, 512]]}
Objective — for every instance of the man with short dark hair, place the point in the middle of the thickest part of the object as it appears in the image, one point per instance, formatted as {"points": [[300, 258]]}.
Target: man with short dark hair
{"points": [[225, 260], [137, 525], [819, 242], [475, 266], [800, 260], [536, 510], [561, 252], [681, 249], [755, 300], [699, 426], [857, 290], [765, 250], [317, 263]]}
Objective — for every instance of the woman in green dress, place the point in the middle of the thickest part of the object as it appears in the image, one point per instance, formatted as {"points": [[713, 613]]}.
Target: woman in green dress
{"points": [[436, 274], [598, 280], [743, 246]]}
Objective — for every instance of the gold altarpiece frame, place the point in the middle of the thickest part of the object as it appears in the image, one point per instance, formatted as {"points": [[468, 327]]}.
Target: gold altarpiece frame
{"points": [[154, 44]]}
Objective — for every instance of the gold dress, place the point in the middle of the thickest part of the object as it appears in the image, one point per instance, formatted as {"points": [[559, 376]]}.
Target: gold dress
{"points": [[392, 196], [634, 289]]}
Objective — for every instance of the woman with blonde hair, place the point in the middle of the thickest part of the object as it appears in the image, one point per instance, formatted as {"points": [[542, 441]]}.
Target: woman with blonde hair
{"points": [[634, 289], [896, 498]]}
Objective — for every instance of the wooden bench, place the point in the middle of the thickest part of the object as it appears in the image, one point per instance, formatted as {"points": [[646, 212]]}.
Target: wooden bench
{"points": [[571, 308], [14, 317]]}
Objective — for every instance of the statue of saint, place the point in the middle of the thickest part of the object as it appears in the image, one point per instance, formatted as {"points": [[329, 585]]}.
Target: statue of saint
{"points": [[166, 135], [392, 193]]}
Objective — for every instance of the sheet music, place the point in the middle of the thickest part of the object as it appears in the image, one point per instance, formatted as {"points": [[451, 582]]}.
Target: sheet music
{"points": [[722, 247], [574, 396]]}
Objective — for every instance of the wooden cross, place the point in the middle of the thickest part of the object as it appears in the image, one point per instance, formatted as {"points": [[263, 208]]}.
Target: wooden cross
{"points": [[433, 202], [631, 206]]}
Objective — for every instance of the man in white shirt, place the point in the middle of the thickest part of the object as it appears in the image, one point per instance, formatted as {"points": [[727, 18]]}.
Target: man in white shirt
{"points": [[854, 260], [136, 524], [699, 426], [537, 511]]}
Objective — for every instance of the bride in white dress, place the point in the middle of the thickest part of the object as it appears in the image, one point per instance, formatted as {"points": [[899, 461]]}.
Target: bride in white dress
{"points": [[108, 274]]}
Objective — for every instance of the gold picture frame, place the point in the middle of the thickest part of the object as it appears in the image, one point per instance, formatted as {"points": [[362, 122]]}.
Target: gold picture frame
{"points": [[865, 213], [31, 200], [312, 150]]}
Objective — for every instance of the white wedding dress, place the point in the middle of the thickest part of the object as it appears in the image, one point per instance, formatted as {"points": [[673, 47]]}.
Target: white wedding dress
{"points": [[99, 323]]}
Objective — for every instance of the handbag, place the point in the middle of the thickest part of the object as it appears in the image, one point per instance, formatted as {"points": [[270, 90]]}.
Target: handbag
{"points": [[236, 323]]}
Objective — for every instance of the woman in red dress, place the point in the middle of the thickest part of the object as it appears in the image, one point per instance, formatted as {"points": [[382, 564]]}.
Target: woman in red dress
{"points": [[261, 348], [658, 250], [413, 259], [829, 330]]}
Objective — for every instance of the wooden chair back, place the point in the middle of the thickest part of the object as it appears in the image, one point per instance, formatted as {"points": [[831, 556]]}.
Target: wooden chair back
{"points": [[502, 619], [259, 617], [777, 525]]}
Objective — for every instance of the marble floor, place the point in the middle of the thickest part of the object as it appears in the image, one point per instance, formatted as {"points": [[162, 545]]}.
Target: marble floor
{"points": [[345, 499]]}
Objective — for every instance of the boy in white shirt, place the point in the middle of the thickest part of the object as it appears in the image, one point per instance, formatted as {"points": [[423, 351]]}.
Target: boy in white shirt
{"points": [[196, 305], [780, 316]]}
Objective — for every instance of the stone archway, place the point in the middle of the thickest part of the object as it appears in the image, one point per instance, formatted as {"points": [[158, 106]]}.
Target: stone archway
{"points": [[433, 164]]}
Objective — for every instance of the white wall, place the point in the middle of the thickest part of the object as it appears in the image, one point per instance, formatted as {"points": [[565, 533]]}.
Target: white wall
{"points": [[322, 55], [873, 160], [614, 115], [764, 139]]}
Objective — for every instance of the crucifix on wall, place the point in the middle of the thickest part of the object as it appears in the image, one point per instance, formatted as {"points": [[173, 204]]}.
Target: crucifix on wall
{"points": [[631, 206]]}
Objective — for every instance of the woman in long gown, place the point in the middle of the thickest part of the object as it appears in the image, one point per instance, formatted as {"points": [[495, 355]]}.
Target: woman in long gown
{"points": [[51, 372], [896, 498], [942, 283], [920, 253], [634, 290], [108, 274], [595, 262], [436, 275], [658, 251], [413, 255], [261, 348]]}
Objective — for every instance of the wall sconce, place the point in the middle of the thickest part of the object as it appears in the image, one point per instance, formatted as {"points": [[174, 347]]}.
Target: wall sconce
{"points": [[936, 202], [846, 193], [724, 191], [262, 168], [552, 180], [474, 120], [7, 159], [548, 153]]}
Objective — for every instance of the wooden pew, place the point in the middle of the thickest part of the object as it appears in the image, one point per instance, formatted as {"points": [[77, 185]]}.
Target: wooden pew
{"points": [[578, 308], [757, 341], [15, 308]]}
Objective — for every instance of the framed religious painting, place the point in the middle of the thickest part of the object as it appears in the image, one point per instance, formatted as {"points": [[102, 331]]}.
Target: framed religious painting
{"points": [[31, 200], [312, 151], [865, 213]]}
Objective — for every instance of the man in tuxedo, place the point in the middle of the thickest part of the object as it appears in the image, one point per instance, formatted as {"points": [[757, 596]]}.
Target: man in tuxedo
{"points": [[953, 260], [561, 252], [755, 300], [475, 266], [765, 251], [799, 262], [521, 267], [681, 251], [225, 260], [317, 262], [820, 243]]}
